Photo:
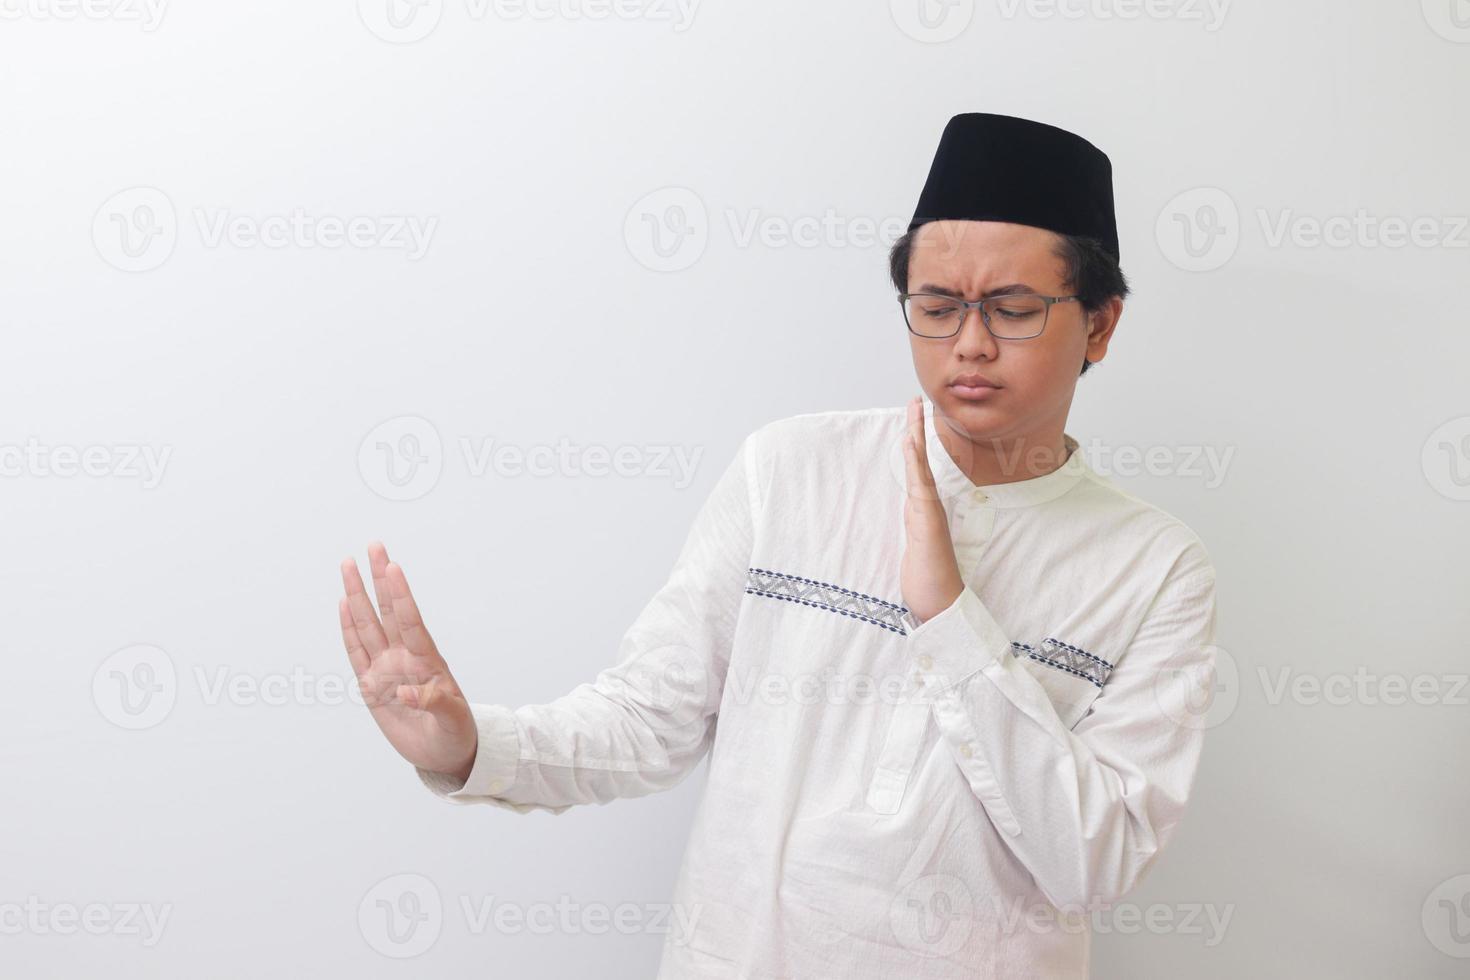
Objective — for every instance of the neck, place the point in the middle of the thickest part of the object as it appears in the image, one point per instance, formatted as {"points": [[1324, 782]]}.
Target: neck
{"points": [[1002, 459]]}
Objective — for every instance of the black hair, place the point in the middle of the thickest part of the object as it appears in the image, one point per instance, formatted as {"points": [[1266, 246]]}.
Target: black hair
{"points": [[1088, 270]]}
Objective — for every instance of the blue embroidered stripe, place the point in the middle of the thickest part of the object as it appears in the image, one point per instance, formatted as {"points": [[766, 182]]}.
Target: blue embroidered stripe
{"points": [[823, 595], [857, 605], [1080, 652], [1065, 657]]}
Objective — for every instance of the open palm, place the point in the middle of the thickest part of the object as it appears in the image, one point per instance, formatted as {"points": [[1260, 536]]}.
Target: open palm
{"points": [[404, 681], [929, 575]]}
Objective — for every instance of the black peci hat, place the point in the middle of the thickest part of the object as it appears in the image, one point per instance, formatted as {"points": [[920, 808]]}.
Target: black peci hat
{"points": [[1001, 168]]}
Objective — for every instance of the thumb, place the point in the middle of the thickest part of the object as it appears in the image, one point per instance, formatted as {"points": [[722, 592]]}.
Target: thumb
{"points": [[436, 699]]}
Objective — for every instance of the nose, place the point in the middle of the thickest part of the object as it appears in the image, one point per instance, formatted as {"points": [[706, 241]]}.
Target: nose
{"points": [[974, 339]]}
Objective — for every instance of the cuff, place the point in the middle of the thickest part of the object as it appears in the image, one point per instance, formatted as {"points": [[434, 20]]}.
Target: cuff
{"points": [[496, 758], [957, 642]]}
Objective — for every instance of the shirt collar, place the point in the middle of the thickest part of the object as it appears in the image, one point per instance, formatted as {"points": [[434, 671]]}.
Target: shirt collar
{"points": [[952, 482]]}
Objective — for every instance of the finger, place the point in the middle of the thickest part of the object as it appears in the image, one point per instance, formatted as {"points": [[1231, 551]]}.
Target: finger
{"points": [[916, 420], [410, 623], [919, 476], [378, 564], [368, 628], [436, 698], [355, 651]]}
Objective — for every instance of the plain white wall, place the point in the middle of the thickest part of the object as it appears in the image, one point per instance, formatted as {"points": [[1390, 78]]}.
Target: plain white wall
{"points": [[220, 391]]}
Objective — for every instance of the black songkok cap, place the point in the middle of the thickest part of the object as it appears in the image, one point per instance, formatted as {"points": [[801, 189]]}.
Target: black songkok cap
{"points": [[1001, 168]]}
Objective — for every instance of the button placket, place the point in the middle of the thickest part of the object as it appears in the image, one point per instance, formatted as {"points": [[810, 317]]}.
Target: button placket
{"points": [[900, 747], [975, 519]]}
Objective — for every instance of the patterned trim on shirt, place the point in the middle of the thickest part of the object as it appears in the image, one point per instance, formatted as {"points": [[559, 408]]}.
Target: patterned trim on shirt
{"points": [[823, 595], [1065, 657]]}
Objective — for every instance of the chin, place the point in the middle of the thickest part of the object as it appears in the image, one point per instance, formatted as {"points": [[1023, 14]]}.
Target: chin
{"points": [[977, 417]]}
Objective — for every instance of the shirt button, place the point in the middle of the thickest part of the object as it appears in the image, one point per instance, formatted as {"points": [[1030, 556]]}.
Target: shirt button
{"points": [[926, 661], [496, 786], [981, 496], [966, 751]]}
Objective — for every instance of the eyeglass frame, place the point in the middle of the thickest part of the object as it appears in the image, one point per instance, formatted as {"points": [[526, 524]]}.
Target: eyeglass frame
{"points": [[979, 304]]}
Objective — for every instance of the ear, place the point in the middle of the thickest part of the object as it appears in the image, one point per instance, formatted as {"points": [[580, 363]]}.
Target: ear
{"points": [[1100, 326]]}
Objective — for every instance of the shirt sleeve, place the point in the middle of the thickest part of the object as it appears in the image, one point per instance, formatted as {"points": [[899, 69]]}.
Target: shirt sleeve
{"points": [[1087, 808], [644, 723]]}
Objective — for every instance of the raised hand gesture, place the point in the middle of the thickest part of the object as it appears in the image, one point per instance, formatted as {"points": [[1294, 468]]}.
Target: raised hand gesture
{"points": [[930, 574], [404, 681]]}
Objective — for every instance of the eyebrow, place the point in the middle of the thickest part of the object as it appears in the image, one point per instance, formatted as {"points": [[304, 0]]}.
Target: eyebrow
{"points": [[1007, 290]]}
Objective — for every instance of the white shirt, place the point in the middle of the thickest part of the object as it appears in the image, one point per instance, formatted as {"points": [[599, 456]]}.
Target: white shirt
{"points": [[887, 798]]}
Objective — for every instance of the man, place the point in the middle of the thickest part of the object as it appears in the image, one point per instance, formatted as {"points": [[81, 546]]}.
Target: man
{"points": [[957, 674]]}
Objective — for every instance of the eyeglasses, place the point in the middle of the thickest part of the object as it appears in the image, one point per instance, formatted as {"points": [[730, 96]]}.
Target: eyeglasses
{"points": [[1018, 316]]}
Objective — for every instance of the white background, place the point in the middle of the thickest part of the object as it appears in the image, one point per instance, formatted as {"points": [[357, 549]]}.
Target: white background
{"points": [[1332, 377]]}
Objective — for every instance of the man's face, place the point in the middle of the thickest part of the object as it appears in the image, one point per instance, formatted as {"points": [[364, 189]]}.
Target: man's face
{"points": [[1036, 376]]}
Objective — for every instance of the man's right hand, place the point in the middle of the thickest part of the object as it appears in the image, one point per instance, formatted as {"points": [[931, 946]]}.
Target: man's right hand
{"points": [[404, 681]]}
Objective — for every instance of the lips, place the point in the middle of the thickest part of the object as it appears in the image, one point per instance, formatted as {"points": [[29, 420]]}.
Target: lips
{"points": [[973, 387]]}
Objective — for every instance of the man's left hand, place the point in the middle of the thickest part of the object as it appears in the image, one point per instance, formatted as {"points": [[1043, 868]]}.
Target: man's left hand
{"points": [[930, 574]]}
